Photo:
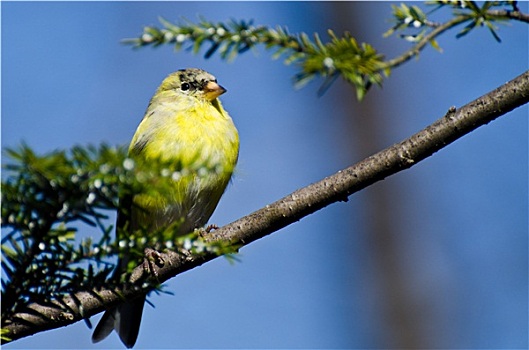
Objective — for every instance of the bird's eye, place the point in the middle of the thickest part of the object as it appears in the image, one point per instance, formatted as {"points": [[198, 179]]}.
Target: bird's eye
{"points": [[185, 86]]}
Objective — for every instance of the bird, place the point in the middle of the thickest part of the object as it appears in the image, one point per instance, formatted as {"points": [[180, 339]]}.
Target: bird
{"points": [[186, 125]]}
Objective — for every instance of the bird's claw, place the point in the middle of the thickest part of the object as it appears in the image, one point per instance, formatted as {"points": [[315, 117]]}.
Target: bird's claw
{"points": [[210, 228], [152, 258]]}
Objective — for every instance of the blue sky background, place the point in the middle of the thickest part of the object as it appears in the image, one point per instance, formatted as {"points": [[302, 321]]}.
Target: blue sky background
{"points": [[67, 80]]}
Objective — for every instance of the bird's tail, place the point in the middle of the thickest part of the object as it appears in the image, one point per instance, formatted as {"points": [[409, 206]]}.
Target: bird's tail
{"points": [[125, 319]]}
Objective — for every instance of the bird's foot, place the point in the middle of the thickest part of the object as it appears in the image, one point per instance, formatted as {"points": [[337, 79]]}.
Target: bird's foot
{"points": [[201, 232], [210, 228], [152, 260]]}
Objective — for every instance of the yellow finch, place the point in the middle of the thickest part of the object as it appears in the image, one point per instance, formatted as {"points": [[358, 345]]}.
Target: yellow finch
{"points": [[185, 125]]}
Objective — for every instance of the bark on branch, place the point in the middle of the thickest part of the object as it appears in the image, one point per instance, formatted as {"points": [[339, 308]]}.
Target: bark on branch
{"points": [[338, 187]]}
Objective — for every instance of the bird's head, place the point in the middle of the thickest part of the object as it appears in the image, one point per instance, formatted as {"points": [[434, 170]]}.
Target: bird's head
{"points": [[193, 82]]}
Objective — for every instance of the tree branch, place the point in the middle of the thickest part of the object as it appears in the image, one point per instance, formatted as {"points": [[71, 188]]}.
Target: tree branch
{"points": [[455, 124]]}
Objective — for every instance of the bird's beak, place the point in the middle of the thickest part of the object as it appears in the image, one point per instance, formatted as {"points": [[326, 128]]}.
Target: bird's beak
{"points": [[213, 90]]}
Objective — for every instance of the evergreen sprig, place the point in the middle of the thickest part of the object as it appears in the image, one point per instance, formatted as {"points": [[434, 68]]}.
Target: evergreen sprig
{"points": [[357, 63], [43, 197], [47, 199]]}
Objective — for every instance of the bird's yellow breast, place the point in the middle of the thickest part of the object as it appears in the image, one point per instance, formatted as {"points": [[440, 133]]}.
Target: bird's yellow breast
{"points": [[200, 138]]}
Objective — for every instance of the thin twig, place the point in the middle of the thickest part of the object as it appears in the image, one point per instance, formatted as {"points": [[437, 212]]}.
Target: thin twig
{"points": [[520, 16], [441, 28], [416, 49]]}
